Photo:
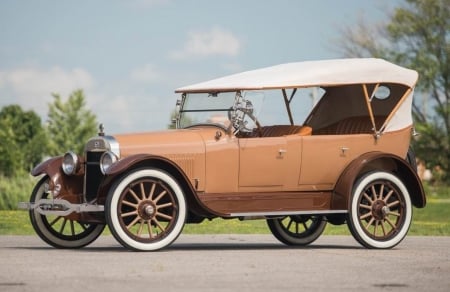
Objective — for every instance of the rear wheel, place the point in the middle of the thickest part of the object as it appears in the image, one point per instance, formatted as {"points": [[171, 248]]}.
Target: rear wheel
{"points": [[297, 229], [60, 231], [146, 210], [380, 212]]}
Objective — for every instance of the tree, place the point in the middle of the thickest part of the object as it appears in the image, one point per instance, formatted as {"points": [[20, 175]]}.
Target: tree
{"points": [[417, 36], [24, 143], [70, 124]]}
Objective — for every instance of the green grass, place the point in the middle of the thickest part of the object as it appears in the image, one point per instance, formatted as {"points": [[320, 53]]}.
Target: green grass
{"points": [[434, 220]]}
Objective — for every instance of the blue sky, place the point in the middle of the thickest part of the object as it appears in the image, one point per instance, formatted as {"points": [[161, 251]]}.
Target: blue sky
{"points": [[130, 56]]}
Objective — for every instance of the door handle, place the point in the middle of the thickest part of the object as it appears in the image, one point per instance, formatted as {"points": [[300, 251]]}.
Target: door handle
{"points": [[344, 150], [282, 151]]}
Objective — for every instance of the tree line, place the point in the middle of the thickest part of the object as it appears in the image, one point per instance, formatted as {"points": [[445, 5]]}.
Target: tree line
{"points": [[26, 141]]}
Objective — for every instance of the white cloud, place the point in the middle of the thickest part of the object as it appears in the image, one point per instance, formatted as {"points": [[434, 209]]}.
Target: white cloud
{"points": [[31, 87], [146, 73], [213, 42], [122, 106]]}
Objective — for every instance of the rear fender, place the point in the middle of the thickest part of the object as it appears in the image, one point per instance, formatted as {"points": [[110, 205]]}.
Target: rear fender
{"points": [[377, 161]]}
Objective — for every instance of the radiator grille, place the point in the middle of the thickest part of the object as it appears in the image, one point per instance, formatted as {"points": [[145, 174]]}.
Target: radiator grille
{"points": [[93, 174]]}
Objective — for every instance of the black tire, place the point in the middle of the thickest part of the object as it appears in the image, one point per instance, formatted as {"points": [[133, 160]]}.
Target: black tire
{"points": [[59, 231], [146, 210], [380, 210], [299, 230]]}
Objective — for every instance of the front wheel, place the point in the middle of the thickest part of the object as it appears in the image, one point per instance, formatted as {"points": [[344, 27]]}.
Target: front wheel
{"points": [[146, 210], [297, 230], [380, 211], [59, 231]]}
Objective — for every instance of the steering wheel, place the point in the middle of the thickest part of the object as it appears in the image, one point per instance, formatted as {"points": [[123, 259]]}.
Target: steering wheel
{"points": [[237, 115]]}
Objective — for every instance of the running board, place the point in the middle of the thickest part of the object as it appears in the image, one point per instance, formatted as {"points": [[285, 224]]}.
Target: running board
{"points": [[287, 213]]}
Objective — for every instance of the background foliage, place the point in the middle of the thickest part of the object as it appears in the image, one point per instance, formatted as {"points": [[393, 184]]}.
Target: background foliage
{"points": [[416, 36], [25, 142]]}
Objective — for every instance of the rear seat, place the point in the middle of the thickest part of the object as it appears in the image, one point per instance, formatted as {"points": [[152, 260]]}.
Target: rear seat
{"points": [[352, 125]]}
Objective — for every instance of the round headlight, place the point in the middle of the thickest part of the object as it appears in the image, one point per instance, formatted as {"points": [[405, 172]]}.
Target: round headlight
{"points": [[70, 163], [108, 158]]}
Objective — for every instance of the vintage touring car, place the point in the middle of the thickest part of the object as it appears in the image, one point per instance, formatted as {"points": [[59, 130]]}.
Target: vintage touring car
{"points": [[247, 146]]}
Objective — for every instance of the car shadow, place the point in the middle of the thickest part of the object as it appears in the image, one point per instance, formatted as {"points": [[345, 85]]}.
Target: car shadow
{"points": [[198, 247]]}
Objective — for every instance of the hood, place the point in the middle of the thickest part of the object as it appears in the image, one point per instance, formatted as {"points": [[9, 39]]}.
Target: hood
{"points": [[164, 143]]}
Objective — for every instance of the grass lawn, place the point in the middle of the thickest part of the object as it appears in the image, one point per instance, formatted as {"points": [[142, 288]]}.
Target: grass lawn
{"points": [[434, 219]]}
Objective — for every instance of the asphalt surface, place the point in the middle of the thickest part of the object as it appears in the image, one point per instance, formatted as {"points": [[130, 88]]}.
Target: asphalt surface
{"points": [[226, 263]]}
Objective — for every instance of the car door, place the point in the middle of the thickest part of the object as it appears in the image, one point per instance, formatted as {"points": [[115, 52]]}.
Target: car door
{"points": [[262, 161], [269, 163], [324, 157]]}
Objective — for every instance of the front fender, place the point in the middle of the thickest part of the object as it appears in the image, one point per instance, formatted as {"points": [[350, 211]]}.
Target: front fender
{"points": [[132, 162], [61, 185], [377, 161], [49, 167]]}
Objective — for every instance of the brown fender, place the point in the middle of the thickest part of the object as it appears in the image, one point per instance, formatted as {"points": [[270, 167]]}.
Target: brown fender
{"points": [[63, 186], [49, 167], [377, 161], [146, 160]]}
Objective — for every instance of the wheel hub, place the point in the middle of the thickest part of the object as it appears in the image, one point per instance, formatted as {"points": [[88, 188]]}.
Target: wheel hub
{"points": [[146, 210], [380, 210]]}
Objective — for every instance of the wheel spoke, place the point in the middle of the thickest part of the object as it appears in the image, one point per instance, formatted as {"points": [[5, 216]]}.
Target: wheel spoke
{"points": [[376, 227], [133, 222], [129, 204], [159, 224], [395, 203], [370, 223], [135, 212], [72, 228], [150, 229], [374, 193], [290, 223], [165, 216], [367, 207], [141, 225], [159, 196], [305, 226], [390, 223], [142, 190], [382, 228], [367, 215], [152, 191], [388, 196], [394, 214], [134, 195], [165, 205], [368, 198], [61, 230], [55, 220], [380, 197]]}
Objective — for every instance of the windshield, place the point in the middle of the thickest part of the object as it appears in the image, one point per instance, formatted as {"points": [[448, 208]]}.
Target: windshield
{"points": [[206, 108], [244, 108]]}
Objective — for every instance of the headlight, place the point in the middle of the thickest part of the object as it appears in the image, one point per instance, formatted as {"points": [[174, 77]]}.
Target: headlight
{"points": [[107, 159], [70, 163]]}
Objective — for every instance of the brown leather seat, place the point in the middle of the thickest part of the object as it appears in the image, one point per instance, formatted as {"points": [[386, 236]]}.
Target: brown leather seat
{"points": [[284, 130], [352, 125]]}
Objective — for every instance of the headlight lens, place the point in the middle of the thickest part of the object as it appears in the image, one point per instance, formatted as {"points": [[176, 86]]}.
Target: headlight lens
{"points": [[108, 158], [70, 163]]}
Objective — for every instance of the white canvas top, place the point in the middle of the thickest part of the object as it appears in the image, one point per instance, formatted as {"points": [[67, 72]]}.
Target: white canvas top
{"points": [[311, 73]]}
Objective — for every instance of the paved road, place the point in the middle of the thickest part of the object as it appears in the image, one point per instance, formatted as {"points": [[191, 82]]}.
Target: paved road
{"points": [[226, 263]]}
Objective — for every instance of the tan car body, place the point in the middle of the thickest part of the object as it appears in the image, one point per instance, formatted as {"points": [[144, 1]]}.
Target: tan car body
{"points": [[271, 171]]}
